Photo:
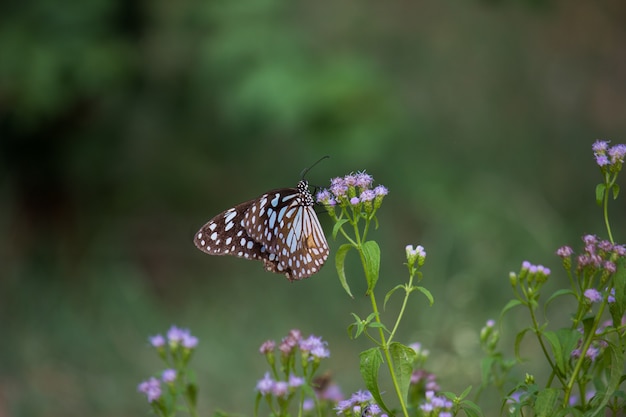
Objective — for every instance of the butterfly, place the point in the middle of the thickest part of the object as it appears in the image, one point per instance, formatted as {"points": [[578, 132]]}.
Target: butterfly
{"points": [[279, 228]]}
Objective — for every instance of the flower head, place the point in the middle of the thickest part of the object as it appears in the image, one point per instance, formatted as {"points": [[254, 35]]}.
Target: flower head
{"points": [[265, 385], [280, 389], [157, 341], [593, 295], [169, 375], [564, 251], [315, 346], [151, 388], [363, 180], [267, 347], [617, 153]]}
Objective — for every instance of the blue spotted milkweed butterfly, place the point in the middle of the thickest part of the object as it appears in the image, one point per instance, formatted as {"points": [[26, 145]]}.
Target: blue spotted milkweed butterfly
{"points": [[279, 228]]}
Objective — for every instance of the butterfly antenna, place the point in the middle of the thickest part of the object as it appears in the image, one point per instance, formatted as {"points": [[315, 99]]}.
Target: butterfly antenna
{"points": [[306, 170]]}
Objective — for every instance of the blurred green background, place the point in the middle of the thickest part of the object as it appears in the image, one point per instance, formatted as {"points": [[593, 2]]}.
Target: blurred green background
{"points": [[125, 125]]}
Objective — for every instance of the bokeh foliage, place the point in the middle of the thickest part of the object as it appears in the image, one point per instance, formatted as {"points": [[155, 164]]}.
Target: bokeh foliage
{"points": [[124, 125]]}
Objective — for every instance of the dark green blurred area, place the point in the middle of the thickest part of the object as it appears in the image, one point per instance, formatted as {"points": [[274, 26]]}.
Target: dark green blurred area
{"points": [[125, 125]]}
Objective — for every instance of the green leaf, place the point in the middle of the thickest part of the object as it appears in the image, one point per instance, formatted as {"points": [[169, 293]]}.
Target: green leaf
{"points": [[192, 394], [337, 226], [615, 191], [402, 357], [518, 340], [391, 291], [465, 393], [359, 324], [508, 306], [600, 189], [371, 254], [471, 409], [340, 259], [371, 360], [563, 342], [427, 293], [546, 402], [486, 365]]}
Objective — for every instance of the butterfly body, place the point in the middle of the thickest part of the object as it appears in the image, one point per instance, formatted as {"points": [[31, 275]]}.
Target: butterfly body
{"points": [[279, 228]]}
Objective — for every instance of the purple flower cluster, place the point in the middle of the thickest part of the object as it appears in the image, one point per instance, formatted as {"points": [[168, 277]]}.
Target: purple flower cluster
{"points": [[595, 349], [313, 346], [151, 388], [175, 337], [421, 377], [597, 253], [611, 157], [311, 349], [535, 269], [279, 389], [436, 406], [359, 404], [352, 190]]}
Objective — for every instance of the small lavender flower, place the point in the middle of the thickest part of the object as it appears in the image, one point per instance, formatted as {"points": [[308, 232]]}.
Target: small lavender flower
{"points": [[280, 389], [295, 381], [289, 342], [361, 396], [602, 160], [308, 404], [600, 146], [605, 245], [338, 187], [590, 241], [611, 297], [265, 385], [381, 191], [367, 195], [175, 336], [592, 353], [315, 346], [169, 375], [189, 341], [350, 180], [157, 341], [543, 270], [324, 197], [267, 347], [343, 406], [354, 201], [593, 295], [151, 388], [564, 251], [617, 153], [610, 267], [331, 393], [363, 180]]}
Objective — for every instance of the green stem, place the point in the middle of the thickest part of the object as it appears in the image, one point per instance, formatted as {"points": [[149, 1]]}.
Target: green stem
{"points": [[543, 346], [384, 343], [583, 351], [404, 303], [385, 346], [609, 185]]}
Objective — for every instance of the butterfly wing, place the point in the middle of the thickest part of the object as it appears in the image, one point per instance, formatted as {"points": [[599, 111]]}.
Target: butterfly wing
{"points": [[285, 223], [225, 235], [280, 228]]}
